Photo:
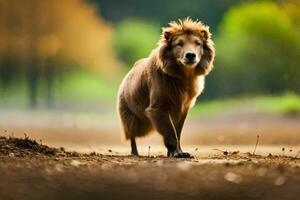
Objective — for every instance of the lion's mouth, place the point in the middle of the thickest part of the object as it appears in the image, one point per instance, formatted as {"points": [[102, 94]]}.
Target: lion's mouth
{"points": [[189, 63]]}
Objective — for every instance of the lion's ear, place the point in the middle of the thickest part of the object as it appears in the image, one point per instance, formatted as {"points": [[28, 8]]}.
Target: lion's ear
{"points": [[205, 34], [167, 34]]}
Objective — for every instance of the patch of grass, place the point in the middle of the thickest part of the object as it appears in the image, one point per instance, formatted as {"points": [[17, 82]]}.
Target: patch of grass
{"points": [[80, 85], [15, 95], [212, 107], [286, 104]]}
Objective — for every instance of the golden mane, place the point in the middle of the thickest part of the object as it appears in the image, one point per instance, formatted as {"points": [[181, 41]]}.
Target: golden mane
{"points": [[186, 25]]}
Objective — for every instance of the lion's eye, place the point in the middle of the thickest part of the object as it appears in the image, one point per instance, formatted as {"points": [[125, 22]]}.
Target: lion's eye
{"points": [[180, 44], [198, 43]]}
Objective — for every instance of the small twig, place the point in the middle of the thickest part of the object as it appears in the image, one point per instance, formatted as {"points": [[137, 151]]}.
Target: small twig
{"points": [[218, 150], [257, 139], [149, 151], [297, 154], [224, 152]]}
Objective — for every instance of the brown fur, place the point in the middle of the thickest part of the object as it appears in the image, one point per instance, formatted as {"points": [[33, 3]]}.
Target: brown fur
{"points": [[159, 90]]}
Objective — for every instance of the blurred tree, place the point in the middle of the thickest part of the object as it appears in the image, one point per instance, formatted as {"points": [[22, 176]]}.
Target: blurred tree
{"points": [[257, 51], [9, 71], [40, 39], [135, 38], [211, 12]]}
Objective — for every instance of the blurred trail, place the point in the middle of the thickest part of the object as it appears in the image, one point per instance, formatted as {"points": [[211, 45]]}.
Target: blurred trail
{"points": [[84, 129]]}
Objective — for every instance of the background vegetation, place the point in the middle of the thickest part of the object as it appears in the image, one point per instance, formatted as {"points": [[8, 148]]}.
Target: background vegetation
{"points": [[73, 54]]}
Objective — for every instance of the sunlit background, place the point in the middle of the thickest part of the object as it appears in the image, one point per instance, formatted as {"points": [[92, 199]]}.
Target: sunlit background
{"points": [[61, 63]]}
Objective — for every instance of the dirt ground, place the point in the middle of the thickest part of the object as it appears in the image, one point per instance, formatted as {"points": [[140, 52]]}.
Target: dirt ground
{"points": [[29, 170]]}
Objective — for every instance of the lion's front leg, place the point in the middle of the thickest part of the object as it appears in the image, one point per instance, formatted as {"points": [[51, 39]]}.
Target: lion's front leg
{"points": [[164, 124], [178, 126]]}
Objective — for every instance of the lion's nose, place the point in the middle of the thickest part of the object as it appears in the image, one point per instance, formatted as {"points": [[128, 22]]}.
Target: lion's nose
{"points": [[190, 56]]}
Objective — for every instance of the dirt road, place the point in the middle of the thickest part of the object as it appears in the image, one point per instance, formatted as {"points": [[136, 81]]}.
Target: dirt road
{"points": [[29, 170]]}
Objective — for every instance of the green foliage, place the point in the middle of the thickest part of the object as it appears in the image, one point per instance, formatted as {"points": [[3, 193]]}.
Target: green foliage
{"points": [[134, 39], [79, 89], [257, 51], [84, 86], [286, 104], [208, 108]]}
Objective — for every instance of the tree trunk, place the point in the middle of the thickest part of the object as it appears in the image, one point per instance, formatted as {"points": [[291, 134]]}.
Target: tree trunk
{"points": [[49, 75], [32, 79]]}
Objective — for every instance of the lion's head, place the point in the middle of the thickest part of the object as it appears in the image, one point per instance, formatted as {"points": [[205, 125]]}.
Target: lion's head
{"points": [[186, 45]]}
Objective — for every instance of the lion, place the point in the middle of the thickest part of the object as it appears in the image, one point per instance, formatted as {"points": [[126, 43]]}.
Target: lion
{"points": [[159, 90]]}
